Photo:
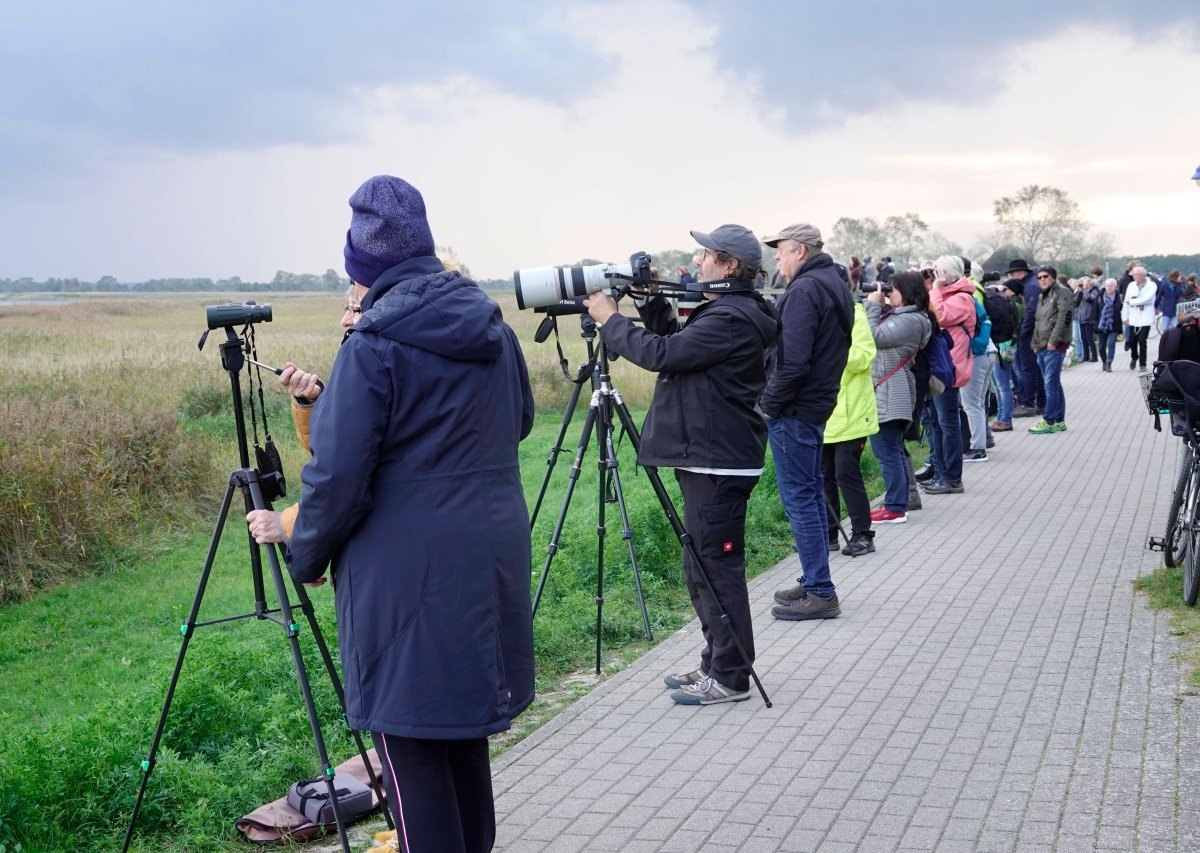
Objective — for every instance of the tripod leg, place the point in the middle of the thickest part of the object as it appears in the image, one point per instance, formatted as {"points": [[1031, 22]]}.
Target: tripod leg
{"points": [[600, 531], [306, 606], [186, 630], [627, 535], [837, 522], [568, 414], [572, 479], [292, 632]]}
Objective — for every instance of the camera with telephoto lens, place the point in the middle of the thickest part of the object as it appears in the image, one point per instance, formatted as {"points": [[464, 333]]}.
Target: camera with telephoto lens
{"points": [[872, 286], [237, 314], [556, 289]]}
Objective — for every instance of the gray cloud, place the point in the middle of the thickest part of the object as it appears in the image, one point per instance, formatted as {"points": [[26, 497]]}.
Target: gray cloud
{"points": [[180, 75], [100, 81], [845, 57]]}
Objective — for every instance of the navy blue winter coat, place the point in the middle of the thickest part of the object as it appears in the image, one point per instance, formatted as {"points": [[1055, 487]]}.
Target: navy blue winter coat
{"points": [[414, 493]]}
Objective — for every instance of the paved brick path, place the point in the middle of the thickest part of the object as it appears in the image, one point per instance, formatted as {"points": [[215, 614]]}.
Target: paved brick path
{"points": [[994, 683]]}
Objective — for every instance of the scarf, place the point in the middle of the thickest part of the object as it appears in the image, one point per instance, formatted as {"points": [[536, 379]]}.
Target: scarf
{"points": [[1108, 305]]}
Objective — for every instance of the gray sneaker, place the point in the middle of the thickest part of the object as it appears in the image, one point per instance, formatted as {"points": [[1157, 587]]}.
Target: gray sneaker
{"points": [[790, 595], [709, 691], [683, 679], [809, 607]]}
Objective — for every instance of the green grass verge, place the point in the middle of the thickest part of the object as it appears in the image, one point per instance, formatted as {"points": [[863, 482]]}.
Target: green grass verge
{"points": [[85, 667], [1163, 589]]}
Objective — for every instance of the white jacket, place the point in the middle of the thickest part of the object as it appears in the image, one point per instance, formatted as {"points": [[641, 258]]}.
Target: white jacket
{"points": [[1140, 302]]}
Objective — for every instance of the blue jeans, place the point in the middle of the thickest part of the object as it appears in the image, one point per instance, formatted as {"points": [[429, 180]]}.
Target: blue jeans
{"points": [[796, 449], [949, 447], [1077, 342], [1002, 376], [1051, 361], [1107, 346], [888, 447]]}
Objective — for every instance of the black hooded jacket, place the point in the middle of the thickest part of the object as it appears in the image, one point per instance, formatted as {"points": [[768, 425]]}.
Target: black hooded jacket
{"points": [[816, 314], [711, 370]]}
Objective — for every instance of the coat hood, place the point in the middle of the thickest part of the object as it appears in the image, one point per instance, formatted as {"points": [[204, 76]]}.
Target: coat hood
{"points": [[421, 304]]}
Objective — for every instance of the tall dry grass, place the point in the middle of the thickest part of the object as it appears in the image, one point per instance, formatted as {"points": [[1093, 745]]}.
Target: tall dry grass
{"points": [[113, 422]]}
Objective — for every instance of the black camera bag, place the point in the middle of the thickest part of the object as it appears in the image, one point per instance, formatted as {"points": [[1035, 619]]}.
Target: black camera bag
{"points": [[311, 798]]}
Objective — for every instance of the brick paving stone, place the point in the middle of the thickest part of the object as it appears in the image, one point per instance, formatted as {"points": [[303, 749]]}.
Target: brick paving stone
{"points": [[994, 683]]}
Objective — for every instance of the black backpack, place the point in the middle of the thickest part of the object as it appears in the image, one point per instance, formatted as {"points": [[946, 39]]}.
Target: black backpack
{"points": [[1002, 313]]}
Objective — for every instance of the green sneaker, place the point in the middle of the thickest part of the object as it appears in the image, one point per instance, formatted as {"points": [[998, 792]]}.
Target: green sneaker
{"points": [[1061, 426], [1041, 428]]}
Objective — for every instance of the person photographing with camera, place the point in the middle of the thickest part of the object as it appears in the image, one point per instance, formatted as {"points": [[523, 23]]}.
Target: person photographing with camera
{"points": [[703, 423]]}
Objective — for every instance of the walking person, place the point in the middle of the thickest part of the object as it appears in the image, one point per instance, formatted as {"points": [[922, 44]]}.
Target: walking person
{"points": [[1108, 324], [901, 326], [1051, 340], [702, 422], [854, 419], [1088, 308], [816, 316], [1139, 304]]}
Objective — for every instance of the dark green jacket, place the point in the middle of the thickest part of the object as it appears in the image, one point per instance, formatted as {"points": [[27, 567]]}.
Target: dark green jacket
{"points": [[1052, 322]]}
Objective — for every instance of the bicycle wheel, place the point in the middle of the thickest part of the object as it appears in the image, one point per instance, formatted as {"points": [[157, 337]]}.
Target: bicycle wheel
{"points": [[1175, 544], [1189, 521]]}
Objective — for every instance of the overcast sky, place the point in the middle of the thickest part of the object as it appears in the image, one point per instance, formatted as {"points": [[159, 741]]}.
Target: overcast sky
{"points": [[160, 139]]}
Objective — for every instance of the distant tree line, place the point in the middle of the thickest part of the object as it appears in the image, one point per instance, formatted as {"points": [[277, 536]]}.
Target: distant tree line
{"points": [[283, 280]]}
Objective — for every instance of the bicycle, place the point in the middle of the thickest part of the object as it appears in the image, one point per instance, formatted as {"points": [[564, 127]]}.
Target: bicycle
{"points": [[1182, 540]]}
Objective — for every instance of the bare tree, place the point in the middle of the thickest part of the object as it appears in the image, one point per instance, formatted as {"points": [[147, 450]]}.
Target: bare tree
{"points": [[858, 237], [906, 236], [1043, 222]]}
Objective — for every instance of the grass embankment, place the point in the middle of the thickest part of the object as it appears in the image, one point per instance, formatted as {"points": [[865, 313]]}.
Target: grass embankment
{"points": [[84, 665], [1163, 589]]}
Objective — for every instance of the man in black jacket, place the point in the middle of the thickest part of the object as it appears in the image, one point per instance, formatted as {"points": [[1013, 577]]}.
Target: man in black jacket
{"points": [[702, 423], [816, 315]]}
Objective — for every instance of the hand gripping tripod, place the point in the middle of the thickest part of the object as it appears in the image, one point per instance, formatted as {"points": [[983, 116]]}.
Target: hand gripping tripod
{"points": [[249, 480], [605, 400]]}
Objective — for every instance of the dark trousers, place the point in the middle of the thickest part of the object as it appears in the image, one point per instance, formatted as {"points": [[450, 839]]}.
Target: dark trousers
{"points": [[1138, 336], [714, 513], [841, 468], [439, 793], [1087, 331], [1032, 392]]}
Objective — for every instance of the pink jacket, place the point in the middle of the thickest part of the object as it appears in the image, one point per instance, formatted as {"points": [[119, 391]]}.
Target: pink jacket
{"points": [[954, 305]]}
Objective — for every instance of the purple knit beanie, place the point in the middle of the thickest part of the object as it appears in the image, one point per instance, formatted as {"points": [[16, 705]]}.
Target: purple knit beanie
{"points": [[387, 227]]}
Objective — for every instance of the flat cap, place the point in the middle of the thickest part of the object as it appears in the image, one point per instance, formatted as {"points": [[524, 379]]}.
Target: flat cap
{"points": [[801, 232]]}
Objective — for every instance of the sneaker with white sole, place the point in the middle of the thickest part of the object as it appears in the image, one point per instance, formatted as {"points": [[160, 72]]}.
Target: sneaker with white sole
{"points": [[683, 679], [708, 691]]}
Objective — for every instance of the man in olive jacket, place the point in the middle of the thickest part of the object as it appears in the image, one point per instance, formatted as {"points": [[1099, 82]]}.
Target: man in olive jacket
{"points": [[702, 422], [1052, 337]]}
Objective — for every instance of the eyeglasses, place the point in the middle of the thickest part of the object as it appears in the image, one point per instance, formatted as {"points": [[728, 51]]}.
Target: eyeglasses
{"points": [[1044, 277], [351, 309]]}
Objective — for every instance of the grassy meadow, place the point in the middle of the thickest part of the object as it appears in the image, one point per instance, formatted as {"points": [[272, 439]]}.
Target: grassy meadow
{"points": [[116, 442]]}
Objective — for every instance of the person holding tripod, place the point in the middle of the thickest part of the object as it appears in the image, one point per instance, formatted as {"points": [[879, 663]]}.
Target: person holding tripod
{"points": [[703, 423]]}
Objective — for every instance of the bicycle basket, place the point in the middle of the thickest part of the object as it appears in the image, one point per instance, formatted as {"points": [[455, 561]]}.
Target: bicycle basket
{"points": [[1156, 401]]}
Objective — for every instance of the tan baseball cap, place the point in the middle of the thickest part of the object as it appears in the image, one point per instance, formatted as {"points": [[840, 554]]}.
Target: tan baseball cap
{"points": [[801, 232]]}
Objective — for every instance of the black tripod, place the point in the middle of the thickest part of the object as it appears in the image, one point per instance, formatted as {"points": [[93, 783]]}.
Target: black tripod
{"points": [[605, 398], [249, 481]]}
